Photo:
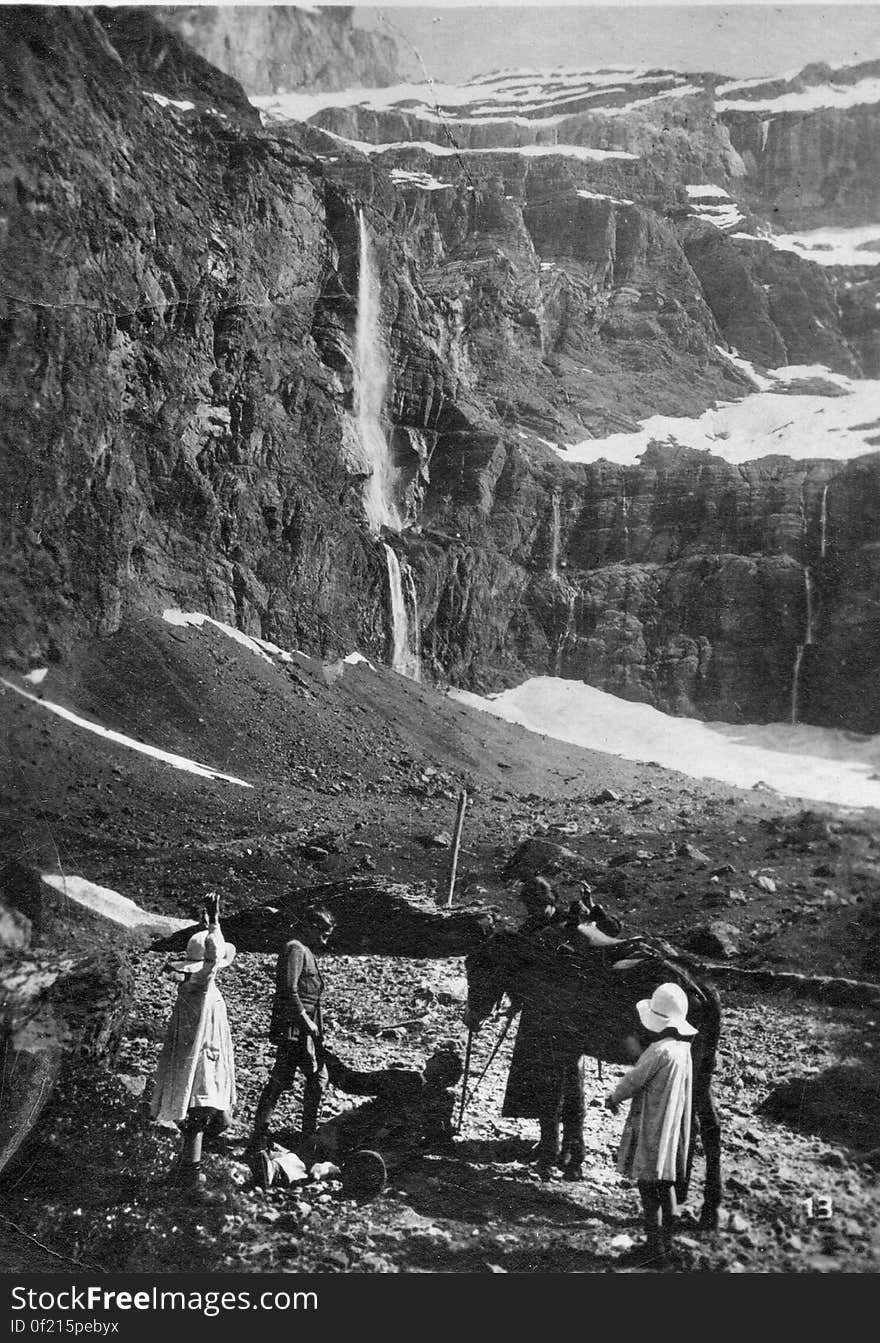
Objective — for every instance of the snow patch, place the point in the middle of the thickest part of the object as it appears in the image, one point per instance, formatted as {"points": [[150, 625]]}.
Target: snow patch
{"points": [[37, 676], [677, 91], [354, 658], [857, 246], [582, 152], [485, 97], [713, 205], [721, 216], [167, 757], [599, 196], [112, 906], [737, 85], [760, 380], [809, 100], [424, 181], [820, 764], [764, 423], [261, 647], [170, 102]]}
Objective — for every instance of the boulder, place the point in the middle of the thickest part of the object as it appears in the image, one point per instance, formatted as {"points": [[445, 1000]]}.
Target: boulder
{"points": [[715, 938], [54, 1009], [15, 929], [536, 857], [442, 840], [694, 854]]}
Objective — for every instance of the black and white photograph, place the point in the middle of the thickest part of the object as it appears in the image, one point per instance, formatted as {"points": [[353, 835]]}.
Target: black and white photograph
{"points": [[439, 649]]}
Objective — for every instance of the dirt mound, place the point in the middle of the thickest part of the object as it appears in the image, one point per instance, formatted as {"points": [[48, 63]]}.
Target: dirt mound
{"points": [[376, 918], [841, 1105]]}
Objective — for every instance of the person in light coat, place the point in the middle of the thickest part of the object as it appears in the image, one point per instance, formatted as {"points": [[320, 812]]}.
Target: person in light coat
{"points": [[194, 1085], [656, 1137]]}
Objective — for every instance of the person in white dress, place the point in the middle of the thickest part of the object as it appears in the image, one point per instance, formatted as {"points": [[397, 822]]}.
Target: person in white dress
{"points": [[656, 1137], [194, 1084]]}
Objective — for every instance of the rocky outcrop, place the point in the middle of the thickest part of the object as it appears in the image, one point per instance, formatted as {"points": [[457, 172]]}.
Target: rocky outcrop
{"points": [[776, 306], [807, 161], [279, 48], [178, 376], [58, 1001], [166, 65]]}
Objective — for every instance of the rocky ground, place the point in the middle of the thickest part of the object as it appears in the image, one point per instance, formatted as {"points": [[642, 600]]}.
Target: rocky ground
{"points": [[356, 777]]}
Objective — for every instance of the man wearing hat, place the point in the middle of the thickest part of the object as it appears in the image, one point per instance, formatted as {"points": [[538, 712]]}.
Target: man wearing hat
{"points": [[656, 1137], [296, 1029], [194, 1084]]}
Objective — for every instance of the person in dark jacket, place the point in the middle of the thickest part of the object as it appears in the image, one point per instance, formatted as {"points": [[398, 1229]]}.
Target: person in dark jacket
{"points": [[546, 1078], [296, 1028], [412, 1108]]}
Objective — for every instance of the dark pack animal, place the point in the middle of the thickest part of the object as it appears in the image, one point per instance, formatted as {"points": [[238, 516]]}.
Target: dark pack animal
{"points": [[581, 986]]}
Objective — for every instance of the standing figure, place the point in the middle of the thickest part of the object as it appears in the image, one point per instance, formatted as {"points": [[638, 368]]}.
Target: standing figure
{"points": [[656, 1137], [296, 1029], [546, 1078], [194, 1084]]}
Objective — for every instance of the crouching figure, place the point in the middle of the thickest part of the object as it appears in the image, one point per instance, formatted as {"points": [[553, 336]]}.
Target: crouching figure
{"points": [[410, 1113]]}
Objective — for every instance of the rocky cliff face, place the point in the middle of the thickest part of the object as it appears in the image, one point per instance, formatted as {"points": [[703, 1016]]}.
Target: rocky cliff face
{"points": [[809, 144], [279, 48], [181, 409]]}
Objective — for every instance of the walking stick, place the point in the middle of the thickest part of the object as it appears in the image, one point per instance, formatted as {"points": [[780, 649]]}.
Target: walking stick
{"points": [[462, 804], [498, 1043], [464, 1080]]}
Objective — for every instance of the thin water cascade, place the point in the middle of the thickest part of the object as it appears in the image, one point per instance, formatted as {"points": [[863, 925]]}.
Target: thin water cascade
{"points": [[414, 641], [823, 522], [554, 542], [566, 636], [405, 654], [795, 682], [799, 650], [625, 511], [370, 385]]}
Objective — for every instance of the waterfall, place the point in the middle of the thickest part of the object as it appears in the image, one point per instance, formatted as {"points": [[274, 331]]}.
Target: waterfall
{"points": [[624, 504], [808, 639], [370, 387], [808, 597], [823, 521], [405, 657], [565, 638], [370, 384], [414, 639], [795, 682], [554, 543]]}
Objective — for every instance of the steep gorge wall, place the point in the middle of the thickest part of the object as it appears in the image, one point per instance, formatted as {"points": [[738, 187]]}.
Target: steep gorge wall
{"points": [[177, 379], [281, 48], [808, 163]]}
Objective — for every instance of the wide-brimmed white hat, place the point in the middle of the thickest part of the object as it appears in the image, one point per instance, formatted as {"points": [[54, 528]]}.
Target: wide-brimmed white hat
{"points": [[667, 1007], [195, 956]]}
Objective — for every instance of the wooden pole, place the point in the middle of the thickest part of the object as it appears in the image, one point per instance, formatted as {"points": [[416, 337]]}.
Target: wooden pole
{"points": [[462, 804]]}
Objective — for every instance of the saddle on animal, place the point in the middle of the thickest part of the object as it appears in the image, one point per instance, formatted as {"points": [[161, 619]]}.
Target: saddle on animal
{"points": [[617, 953]]}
